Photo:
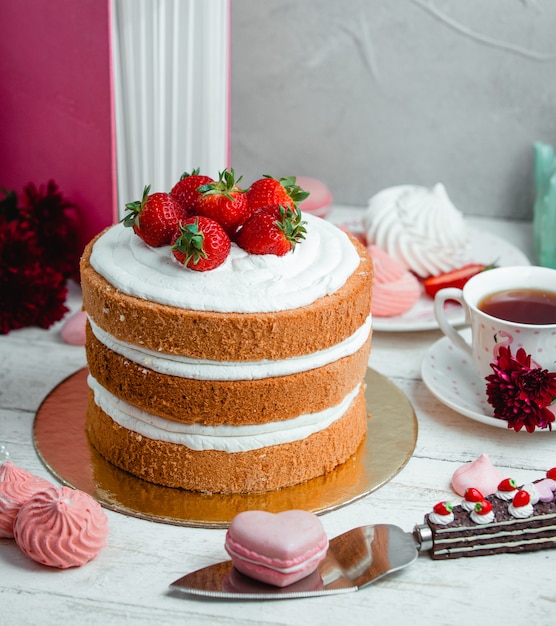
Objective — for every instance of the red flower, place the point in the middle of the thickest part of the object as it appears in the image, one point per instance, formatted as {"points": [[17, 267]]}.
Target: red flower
{"points": [[519, 393], [38, 252], [53, 219]]}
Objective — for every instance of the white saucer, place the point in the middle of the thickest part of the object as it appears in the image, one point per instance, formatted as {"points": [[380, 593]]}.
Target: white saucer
{"points": [[484, 247], [451, 378]]}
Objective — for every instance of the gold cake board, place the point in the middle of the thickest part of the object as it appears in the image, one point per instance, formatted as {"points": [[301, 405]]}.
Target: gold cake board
{"points": [[62, 445]]}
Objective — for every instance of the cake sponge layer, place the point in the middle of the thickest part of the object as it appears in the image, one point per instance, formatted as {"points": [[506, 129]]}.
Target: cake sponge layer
{"points": [[214, 471], [225, 402], [229, 336]]}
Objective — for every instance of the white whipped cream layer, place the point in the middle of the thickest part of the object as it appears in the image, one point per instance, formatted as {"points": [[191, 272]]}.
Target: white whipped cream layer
{"points": [[225, 438], [204, 369], [244, 283], [418, 226]]}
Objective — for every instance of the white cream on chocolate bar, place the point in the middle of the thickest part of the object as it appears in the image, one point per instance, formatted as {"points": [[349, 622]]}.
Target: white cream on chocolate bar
{"points": [[244, 283], [225, 438], [197, 369]]}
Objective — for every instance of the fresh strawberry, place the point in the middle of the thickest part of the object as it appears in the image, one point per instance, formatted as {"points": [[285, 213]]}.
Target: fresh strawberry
{"points": [[443, 508], [201, 244], [224, 202], [483, 507], [185, 191], [508, 484], [154, 218], [268, 191], [272, 230], [521, 498], [473, 495], [551, 473], [455, 278]]}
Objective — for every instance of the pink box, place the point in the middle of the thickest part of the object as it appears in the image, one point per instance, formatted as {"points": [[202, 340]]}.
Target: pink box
{"points": [[56, 103]]}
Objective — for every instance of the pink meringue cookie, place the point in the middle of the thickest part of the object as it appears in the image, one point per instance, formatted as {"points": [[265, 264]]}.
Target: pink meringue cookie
{"points": [[319, 201], [480, 474], [16, 487], [61, 527], [395, 288]]}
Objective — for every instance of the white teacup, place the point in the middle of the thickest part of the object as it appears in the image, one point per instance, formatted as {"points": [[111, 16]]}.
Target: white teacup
{"points": [[489, 333]]}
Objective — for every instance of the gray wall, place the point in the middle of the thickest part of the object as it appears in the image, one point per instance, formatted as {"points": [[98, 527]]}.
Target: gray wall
{"points": [[365, 94]]}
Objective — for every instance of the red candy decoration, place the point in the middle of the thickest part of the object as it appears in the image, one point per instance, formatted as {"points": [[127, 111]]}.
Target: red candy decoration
{"points": [[508, 484], [521, 498], [473, 495], [483, 507], [443, 508]]}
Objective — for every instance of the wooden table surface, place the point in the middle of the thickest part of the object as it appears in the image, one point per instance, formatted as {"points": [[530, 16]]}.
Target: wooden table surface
{"points": [[128, 582]]}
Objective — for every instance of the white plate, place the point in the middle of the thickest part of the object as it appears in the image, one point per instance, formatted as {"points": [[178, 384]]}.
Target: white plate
{"points": [[484, 248], [452, 379]]}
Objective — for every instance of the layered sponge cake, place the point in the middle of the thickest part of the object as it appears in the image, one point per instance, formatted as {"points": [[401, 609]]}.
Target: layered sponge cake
{"points": [[244, 379]]}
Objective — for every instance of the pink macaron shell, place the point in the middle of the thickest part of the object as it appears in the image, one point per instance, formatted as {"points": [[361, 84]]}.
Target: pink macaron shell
{"points": [[73, 330], [276, 548], [319, 201], [395, 288], [395, 298], [236, 582]]}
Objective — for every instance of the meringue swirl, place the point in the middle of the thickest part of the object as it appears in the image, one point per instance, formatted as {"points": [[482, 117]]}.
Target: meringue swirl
{"points": [[418, 226], [16, 487], [61, 527]]}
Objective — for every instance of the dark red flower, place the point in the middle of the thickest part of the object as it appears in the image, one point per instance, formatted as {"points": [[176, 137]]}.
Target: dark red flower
{"points": [[53, 218], [32, 290], [519, 393]]}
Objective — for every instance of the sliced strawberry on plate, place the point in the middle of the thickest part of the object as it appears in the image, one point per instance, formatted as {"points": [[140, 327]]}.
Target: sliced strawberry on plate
{"points": [[224, 201], [272, 230], [268, 190], [455, 278], [186, 190], [201, 244], [154, 218]]}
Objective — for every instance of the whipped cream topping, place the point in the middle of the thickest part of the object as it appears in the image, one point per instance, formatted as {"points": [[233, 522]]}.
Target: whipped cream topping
{"points": [[437, 518], [506, 495], [419, 226], [468, 505], [533, 492], [202, 369], [225, 438], [521, 512], [244, 283], [484, 518]]}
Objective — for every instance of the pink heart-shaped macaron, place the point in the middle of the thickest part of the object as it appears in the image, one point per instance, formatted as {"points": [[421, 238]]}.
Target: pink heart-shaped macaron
{"points": [[545, 488], [277, 548]]}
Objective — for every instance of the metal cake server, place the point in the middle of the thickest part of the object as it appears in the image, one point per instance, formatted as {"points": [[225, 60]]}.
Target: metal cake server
{"points": [[354, 560]]}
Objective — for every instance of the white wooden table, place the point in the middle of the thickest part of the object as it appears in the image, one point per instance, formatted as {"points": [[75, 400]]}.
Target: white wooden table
{"points": [[128, 582]]}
